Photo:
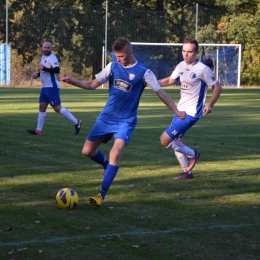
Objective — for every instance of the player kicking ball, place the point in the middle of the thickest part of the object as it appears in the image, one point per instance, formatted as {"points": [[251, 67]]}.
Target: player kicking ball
{"points": [[127, 80], [195, 78]]}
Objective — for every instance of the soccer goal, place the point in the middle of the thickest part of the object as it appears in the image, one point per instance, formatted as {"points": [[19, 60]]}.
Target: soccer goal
{"points": [[161, 58]]}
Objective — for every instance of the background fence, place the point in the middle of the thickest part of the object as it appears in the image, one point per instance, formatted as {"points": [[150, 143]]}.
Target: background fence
{"points": [[78, 34]]}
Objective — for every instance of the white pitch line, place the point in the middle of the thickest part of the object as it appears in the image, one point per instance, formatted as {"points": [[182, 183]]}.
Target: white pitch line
{"points": [[133, 233]]}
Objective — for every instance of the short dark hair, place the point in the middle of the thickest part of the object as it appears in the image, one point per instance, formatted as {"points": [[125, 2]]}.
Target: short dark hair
{"points": [[122, 43], [192, 41]]}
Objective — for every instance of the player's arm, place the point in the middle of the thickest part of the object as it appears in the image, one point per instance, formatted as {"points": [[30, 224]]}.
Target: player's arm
{"points": [[167, 100], [152, 82], [166, 81], [55, 69], [215, 95], [51, 70], [38, 74], [84, 84]]}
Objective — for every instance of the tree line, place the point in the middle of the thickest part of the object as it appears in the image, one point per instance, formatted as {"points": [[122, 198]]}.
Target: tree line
{"points": [[76, 28]]}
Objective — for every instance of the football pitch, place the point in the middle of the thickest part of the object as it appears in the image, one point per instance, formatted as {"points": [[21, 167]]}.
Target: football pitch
{"points": [[147, 214]]}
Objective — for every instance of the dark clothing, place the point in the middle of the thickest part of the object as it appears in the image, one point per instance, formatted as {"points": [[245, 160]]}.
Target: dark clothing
{"points": [[209, 63]]}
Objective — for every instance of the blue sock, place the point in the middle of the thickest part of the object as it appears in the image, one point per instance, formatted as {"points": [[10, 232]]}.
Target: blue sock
{"points": [[109, 176], [100, 159]]}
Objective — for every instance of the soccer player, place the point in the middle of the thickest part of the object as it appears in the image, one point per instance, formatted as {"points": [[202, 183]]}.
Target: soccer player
{"points": [[127, 79], [50, 92], [194, 77]]}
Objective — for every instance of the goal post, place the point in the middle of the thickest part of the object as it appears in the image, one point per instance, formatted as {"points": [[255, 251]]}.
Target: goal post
{"points": [[161, 58]]}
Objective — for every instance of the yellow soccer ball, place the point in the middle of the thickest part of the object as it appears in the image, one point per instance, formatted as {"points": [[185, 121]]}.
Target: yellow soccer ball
{"points": [[67, 198]]}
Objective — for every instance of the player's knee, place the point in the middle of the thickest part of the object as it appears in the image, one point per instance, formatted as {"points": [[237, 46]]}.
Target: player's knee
{"points": [[86, 152], [164, 141], [57, 109]]}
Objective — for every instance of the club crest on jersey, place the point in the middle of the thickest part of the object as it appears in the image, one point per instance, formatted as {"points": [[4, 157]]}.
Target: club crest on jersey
{"points": [[123, 85], [192, 75], [131, 76]]}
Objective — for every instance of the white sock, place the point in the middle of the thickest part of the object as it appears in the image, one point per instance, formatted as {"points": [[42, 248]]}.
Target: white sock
{"points": [[183, 160], [41, 120], [66, 113], [180, 147]]}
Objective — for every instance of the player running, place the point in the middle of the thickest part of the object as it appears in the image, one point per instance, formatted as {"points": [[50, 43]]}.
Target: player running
{"points": [[50, 92], [195, 78]]}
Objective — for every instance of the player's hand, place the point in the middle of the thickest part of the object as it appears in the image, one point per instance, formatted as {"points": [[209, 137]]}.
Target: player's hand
{"points": [[35, 76], [65, 78], [182, 115], [207, 110], [40, 66]]}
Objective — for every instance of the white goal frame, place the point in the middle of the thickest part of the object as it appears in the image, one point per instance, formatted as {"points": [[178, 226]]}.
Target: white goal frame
{"points": [[204, 44]]}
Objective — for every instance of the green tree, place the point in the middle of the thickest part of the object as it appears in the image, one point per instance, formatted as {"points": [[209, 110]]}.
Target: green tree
{"points": [[72, 30], [243, 27], [77, 27]]}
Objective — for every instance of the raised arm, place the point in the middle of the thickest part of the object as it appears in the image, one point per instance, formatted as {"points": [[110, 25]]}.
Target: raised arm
{"points": [[85, 84]]}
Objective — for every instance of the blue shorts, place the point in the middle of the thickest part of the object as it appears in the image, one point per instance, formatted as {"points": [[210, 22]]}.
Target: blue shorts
{"points": [[106, 130], [50, 96], [179, 127]]}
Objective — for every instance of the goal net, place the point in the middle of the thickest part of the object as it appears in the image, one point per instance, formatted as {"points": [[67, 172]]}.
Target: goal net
{"points": [[162, 58]]}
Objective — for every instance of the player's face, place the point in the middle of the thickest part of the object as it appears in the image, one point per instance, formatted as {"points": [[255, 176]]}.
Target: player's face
{"points": [[124, 57], [46, 49], [189, 54]]}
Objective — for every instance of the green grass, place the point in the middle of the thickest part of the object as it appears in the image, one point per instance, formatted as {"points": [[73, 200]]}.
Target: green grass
{"points": [[146, 214]]}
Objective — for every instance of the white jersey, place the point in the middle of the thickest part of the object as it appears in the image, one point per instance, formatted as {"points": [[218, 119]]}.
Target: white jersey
{"points": [[195, 80], [49, 79]]}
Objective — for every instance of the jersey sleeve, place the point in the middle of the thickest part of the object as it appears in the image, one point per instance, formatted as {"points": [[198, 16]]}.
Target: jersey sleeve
{"points": [[54, 61], [151, 80], [104, 75], [208, 76], [175, 74]]}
